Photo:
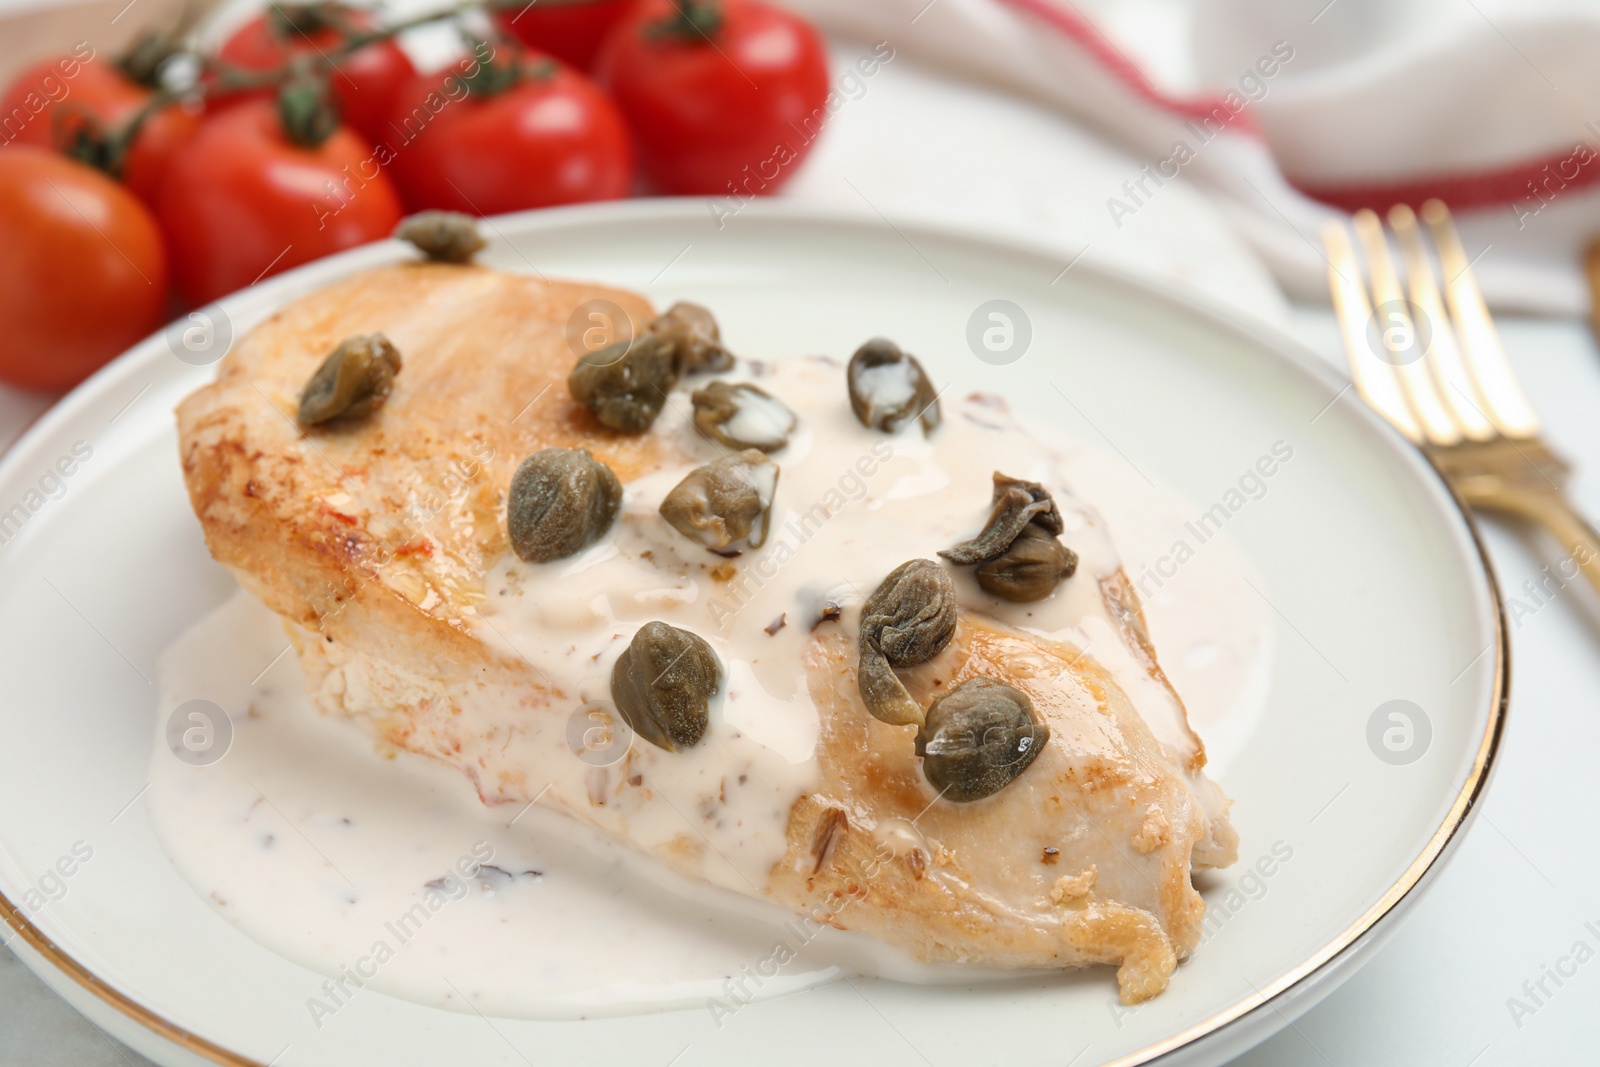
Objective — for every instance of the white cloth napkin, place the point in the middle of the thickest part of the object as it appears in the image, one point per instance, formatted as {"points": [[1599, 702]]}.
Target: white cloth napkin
{"points": [[1493, 105]]}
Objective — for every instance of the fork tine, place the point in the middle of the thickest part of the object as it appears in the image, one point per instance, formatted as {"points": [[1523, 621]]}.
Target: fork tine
{"points": [[1415, 381], [1374, 379], [1505, 404], [1444, 354]]}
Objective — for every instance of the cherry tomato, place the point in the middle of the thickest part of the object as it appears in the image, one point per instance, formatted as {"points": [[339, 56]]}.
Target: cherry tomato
{"points": [[570, 30], [82, 271], [49, 101], [364, 82], [242, 201], [722, 96], [550, 137]]}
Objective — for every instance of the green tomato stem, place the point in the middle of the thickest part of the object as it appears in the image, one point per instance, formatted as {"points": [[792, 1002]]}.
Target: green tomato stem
{"points": [[693, 20], [106, 149]]}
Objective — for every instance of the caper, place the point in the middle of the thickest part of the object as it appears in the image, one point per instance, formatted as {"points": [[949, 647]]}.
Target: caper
{"points": [[1029, 569], [445, 236], [626, 384], [1047, 518], [663, 684], [978, 738], [912, 613], [1016, 503], [1020, 557], [907, 620], [725, 502], [889, 388], [561, 501], [697, 343], [352, 382], [742, 416]]}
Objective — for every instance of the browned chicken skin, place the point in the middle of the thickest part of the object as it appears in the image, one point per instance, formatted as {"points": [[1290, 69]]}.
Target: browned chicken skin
{"points": [[373, 541]]}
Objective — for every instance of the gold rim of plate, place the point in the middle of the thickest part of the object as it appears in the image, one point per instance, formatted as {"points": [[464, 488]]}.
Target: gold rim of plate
{"points": [[1464, 802], [1466, 798]]}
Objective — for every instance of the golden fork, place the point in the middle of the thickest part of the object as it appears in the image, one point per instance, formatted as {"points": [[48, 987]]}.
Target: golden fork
{"points": [[1444, 382]]}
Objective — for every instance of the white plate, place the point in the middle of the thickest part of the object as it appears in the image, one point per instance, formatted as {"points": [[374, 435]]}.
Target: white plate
{"points": [[1372, 572]]}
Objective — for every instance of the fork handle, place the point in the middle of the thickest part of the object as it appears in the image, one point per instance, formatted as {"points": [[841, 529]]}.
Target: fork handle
{"points": [[1577, 537]]}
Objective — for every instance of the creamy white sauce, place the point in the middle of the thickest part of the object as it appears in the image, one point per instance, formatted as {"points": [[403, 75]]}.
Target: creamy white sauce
{"points": [[759, 420], [309, 843], [887, 386]]}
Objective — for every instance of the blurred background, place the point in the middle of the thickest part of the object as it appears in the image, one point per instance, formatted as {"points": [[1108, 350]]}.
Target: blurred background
{"points": [[1203, 143]]}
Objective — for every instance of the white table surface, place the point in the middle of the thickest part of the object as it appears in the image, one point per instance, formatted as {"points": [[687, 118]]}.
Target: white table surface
{"points": [[1517, 896]]}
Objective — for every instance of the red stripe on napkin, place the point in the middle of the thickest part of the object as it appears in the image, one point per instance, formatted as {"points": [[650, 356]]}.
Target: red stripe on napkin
{"points": [[1091, 40], [1526, 187]]}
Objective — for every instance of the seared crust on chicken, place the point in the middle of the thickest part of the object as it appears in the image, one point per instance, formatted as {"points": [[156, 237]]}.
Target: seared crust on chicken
{"points": [[1085, 858], [379, 532], [374, 541]]}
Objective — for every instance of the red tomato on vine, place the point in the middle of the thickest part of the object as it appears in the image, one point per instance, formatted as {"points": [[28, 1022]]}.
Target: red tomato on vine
{"points": [[56, 103], [570, 30], [251, 196], [514, 131], [723, 96], [364, 82], [82, 271]]}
